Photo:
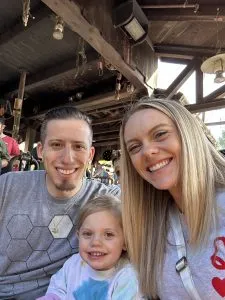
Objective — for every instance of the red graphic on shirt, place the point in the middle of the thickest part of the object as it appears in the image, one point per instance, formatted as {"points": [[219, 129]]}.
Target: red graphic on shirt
{"points": [[218, 263], [219, 286]]}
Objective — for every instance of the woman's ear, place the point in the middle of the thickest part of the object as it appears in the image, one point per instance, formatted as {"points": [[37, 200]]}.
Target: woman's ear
{"points": [[77, 234], [124, 247]]}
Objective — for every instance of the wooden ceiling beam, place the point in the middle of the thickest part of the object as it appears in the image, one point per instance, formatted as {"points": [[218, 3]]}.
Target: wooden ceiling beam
{"points": [[95, 102], [185, 50], [50, 75], [95, 35], [18, 28], [181, 78], [106, 137], [215, 123], [106, 131], [206, 106], [199, 83], [106, 121], [174, 60], [217, 93], [108, 143], [205, 13]]}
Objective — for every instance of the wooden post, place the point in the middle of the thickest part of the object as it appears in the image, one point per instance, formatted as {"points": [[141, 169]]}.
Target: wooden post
{"points": [[30, 139], [18, 105]]}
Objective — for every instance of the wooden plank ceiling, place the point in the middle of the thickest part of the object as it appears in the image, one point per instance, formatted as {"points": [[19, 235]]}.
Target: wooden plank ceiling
{"points": [[82, 69]]}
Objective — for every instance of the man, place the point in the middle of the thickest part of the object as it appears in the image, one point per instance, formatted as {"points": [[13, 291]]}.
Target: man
{"points": [[38, 209], [11, 143]]}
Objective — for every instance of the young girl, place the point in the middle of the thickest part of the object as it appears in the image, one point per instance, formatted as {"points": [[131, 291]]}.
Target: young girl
{"points": [[101, 270]]}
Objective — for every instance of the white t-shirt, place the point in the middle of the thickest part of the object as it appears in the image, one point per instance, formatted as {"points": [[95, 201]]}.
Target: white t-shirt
{"points": [[77, 280], [207, 265]]}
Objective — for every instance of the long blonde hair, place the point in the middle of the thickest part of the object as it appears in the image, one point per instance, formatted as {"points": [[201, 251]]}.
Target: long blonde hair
{"points": [[145, 209]]}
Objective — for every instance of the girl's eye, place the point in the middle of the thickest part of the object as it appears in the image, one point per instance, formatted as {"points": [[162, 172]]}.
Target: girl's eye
{"points": [[86, 234], [109, 235]]}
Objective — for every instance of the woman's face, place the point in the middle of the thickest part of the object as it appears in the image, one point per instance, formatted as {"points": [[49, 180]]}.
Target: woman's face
{"points": [[154, 147]]}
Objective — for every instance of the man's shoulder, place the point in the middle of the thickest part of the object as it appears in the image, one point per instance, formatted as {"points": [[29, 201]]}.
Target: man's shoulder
{"points": [[101, 188], [21, 176]]}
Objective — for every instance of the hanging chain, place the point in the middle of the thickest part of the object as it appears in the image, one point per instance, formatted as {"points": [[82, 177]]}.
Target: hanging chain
{"points": [[26, 12], [100, 66], [218, 41], [81, 58], [118, 86]]}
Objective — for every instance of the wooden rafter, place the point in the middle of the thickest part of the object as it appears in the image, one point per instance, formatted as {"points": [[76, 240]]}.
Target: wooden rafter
{"points": [[106, 143], [50, 75], [217, 93], [204, 13], [72, 15], [181, 78], [206, 106], [184, 50], [96, 102], [199, 83], [17, 28]]}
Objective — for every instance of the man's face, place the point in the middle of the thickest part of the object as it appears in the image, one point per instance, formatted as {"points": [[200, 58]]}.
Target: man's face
{"points": [[66, 153]]}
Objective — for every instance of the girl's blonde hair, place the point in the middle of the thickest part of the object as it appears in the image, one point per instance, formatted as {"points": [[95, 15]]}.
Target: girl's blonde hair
{"points": [[145, 209], [100, 203]]}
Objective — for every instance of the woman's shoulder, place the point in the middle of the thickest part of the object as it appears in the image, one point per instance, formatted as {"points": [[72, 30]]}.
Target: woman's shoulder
{"points": [[220, 196]]}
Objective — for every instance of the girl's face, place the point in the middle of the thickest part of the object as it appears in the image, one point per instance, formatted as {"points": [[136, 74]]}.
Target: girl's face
{"points": [[101, 240], [154, 147]]}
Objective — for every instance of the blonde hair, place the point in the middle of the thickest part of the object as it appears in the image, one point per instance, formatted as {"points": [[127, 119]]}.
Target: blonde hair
{"points": [[145, 209], [100, 203]]}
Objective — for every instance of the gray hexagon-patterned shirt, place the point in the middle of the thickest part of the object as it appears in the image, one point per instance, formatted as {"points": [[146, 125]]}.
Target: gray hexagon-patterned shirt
{"points": [[37, 231]]}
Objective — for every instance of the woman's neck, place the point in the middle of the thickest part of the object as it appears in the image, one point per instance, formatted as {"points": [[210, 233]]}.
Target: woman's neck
{"points": [[176, 194]]}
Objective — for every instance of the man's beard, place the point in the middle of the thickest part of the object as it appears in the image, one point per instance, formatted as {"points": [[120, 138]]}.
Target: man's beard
{"points": [[66, 186]]}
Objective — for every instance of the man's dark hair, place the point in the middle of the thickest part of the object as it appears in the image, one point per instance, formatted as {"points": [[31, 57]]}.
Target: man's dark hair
{"points": [[64, 113]]}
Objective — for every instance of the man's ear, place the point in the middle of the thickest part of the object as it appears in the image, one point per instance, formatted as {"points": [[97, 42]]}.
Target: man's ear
{"points": [[77, 234], [40, 150], [92, 153]]}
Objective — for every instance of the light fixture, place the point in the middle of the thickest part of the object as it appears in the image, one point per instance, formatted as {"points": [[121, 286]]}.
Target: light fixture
{"points": [[58, 29], [219, 77], [130, 17], [215, 65]]}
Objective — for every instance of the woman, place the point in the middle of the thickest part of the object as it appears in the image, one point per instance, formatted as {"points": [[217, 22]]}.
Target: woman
{"points": [[173, 202]]}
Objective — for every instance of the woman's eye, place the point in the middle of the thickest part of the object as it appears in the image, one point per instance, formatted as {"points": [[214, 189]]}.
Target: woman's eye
{"points": [[134, 148], [160, 134]]}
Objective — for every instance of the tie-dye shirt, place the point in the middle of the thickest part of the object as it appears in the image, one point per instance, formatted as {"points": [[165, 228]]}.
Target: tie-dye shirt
{"points": [[77, 280]]}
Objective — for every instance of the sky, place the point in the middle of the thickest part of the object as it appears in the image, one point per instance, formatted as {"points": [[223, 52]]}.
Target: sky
{"points": [[167, 72]]}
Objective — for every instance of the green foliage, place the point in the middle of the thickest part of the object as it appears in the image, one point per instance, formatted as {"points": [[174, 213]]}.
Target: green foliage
{"points": [[221, 140]]}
